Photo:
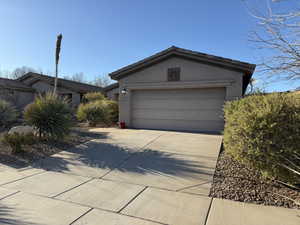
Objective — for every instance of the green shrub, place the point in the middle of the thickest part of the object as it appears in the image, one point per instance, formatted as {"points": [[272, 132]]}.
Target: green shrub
{"points": [[113, 111], [50, 115], [16, 141], [263, 131], [98, 111], [93, 112], [93, 96], [8, 113]]}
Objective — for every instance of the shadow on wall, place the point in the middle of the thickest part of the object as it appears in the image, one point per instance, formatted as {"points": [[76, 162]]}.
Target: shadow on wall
{"points": [[97, 154]]}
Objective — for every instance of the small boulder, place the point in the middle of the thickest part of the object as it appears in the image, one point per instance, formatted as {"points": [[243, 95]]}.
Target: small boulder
{"points": [[22, 130]]}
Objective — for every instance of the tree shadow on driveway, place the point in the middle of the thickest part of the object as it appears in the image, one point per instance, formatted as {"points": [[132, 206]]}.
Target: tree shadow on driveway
{"points": [[98, 156], [44, 148], [8, 217]]}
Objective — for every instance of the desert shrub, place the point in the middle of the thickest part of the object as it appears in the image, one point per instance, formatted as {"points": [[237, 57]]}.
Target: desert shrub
{"points": [[93, 96], [93, 112], [113, 111], [98, 110], [50, 115], [262, 131], [8, 113], [16, 141]]}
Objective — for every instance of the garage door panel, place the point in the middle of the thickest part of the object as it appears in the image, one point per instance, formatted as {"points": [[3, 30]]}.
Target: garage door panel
{"points": [[182, 109], [181, 93], [182, 125], [215, 104], [177, 114]]}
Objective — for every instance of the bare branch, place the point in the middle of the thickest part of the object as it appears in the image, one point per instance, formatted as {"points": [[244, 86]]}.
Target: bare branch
{"points": [[279, 35], [101, 81], [79, 77]]}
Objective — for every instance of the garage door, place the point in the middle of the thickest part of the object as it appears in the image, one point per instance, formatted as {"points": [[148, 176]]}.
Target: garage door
{"points": [[181, 109]]}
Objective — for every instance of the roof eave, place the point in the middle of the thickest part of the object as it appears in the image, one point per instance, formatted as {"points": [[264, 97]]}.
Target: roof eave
{"points": [[247, 69], [20, 89], [50, 80], [111, 87]]}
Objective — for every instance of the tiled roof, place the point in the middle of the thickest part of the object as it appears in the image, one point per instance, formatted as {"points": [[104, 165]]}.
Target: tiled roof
{"points": [[14, 84], [72, 85]]}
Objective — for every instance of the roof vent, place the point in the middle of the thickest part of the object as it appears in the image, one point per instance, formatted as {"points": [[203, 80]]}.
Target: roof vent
{"points": [[173, 74]]}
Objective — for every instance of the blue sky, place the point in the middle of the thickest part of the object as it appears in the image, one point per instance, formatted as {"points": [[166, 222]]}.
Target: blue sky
{"points": [[100, 36]]}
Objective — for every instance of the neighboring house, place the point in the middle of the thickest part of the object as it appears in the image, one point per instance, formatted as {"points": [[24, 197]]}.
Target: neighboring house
{"points": [[72, 90], [16, 92], [112, 91], [23, 90], [179, 89]]}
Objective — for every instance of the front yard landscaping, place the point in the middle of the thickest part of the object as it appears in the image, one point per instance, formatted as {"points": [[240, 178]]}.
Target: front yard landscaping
{"points": [[260, 162], [52, 127], [42, 148]]}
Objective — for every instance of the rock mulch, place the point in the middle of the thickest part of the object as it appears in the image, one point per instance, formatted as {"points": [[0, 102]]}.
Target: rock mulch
{"points": [[234, 181], [42, 149]]}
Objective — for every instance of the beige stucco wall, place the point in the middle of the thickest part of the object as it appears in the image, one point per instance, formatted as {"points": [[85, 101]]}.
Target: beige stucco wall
{"points": [[41, 87], [113, 94], [193, 75]]}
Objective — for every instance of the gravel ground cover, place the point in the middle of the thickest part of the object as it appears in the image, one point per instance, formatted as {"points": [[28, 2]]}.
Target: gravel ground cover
{"points": [[235, 181]]}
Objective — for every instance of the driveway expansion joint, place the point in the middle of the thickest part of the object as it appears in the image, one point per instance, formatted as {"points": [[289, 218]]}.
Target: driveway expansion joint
{"points": [[141, 218], [118, 166], [132, 155], [9, 195], [101, 209], [158, 188], [160, 142], [22, 178], [73, 188], [128, 203], [208, 211], [150, 142], [89, 210], [196, 185]]}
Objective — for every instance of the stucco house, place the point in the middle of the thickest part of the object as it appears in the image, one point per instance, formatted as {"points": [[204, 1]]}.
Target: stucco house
{"points": [[16, 92], [26, 87], [179, 89], [70, 89]]}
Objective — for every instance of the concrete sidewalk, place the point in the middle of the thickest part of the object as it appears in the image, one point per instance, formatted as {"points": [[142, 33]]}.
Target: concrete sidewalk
{"points": [[132, 177]]}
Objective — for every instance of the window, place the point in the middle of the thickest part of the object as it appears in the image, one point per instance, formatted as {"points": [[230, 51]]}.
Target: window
{"points": [[174, 74]]}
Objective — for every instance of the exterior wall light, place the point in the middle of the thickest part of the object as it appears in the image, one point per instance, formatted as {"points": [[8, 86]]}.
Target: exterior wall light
{"points": [[124, 91]]}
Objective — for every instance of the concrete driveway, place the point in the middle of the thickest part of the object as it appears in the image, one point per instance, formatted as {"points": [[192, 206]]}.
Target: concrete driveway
{"points": [[124, 177]]}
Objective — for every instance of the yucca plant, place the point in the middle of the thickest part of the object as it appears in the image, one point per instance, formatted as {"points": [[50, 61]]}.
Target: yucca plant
{"points": [[50, 115]]}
